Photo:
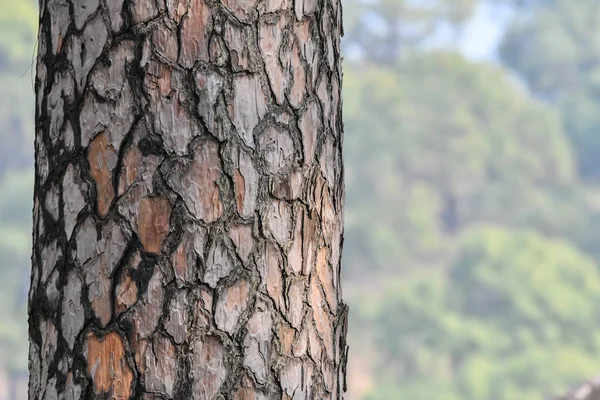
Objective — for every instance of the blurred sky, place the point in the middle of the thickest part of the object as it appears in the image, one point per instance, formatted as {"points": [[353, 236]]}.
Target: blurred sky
{"points": [[483, 33]]}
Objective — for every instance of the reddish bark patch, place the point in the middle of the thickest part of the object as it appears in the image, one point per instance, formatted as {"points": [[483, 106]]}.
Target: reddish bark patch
{"points": [[168, 94], [326, 278], [179, 259], [208, 367], [240, 190], [308, 50], [321, 317], [153, 222], [203, 310], [139, 347], [108, 367], [329, 161], [270, 38], [272, 276], [301, 343], [195, 31], [217, 51], [185, 256], [126, 293], [241, 236], [131, 165], [102, 158], [309, 124], [246, 182], [285, 335], [136, 167], [299, 75], [336, 115], [247, 391], [197, 184], [230, 305], [295, 257], [295, 308], [323, 201], [163, 80], [60, 43], [205, 173], [165, 42], [325, 98]]}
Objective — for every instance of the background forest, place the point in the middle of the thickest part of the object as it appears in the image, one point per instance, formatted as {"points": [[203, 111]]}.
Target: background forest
{"points": [[472, 252]]}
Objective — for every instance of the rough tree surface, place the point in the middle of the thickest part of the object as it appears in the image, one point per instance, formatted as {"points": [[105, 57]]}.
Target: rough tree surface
{"points": [[188, 201]]}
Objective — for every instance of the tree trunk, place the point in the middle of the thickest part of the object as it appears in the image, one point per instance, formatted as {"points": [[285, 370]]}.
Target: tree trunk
{"points": [[188, 201]]}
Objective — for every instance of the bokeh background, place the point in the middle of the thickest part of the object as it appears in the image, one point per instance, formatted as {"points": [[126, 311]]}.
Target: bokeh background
{"points": [[472, 150]]}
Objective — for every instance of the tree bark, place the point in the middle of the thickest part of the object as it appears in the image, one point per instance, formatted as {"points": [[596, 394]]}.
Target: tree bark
{"points": [[188, 201]]}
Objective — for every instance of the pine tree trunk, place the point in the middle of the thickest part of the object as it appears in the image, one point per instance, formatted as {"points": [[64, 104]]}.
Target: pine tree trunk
{"points": [[188, 201]]}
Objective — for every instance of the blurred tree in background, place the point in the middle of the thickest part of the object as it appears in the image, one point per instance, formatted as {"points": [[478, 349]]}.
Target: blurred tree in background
{"points": [[18, 31], [472, 248], [449, 143], [472, 232], [555, 49]]}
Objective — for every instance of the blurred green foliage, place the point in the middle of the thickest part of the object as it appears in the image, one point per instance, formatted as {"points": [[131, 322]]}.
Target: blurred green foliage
{"points": [[515, 317], [15, 249], [450, 143], [555, 49], [473, 217], [18, 30]]}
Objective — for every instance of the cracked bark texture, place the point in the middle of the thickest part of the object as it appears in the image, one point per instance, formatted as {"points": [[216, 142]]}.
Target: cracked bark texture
{"points": [[188, 201]]}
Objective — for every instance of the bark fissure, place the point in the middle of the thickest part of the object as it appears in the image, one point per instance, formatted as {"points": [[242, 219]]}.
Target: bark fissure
{"points": [[188, 204]]}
